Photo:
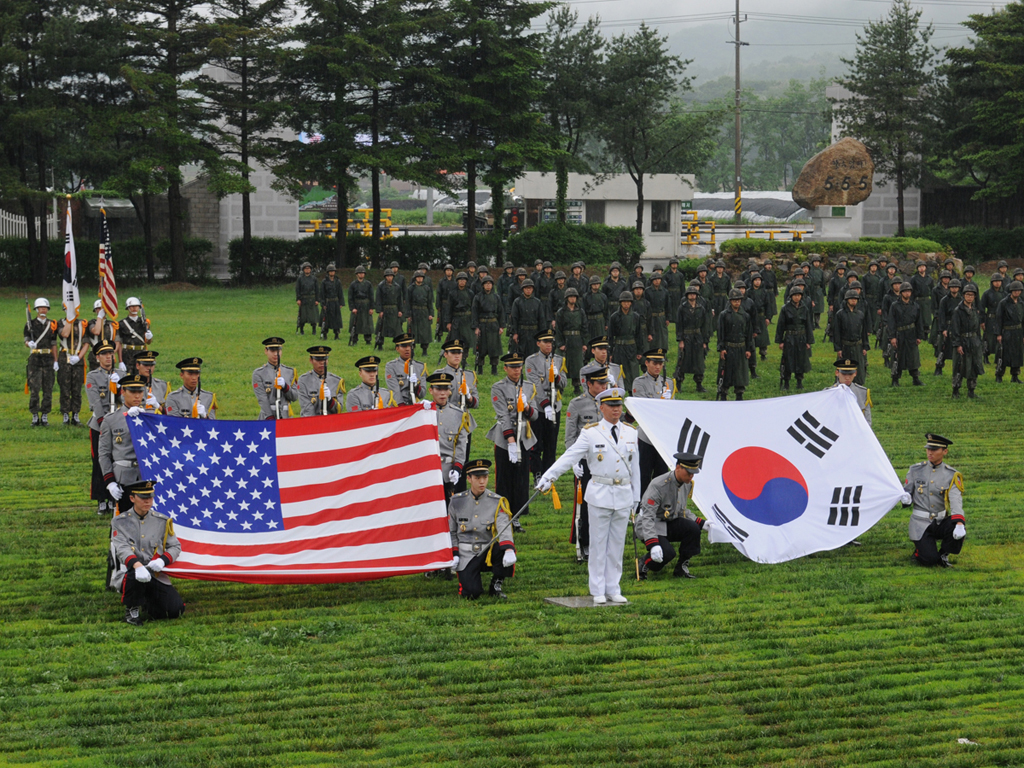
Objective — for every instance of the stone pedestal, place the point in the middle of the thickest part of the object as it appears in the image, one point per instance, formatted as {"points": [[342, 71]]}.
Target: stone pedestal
{"points": [[585, 601], [833, 222]]}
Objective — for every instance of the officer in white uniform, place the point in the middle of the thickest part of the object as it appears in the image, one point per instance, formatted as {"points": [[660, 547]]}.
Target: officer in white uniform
{"points": [[611, 451]]}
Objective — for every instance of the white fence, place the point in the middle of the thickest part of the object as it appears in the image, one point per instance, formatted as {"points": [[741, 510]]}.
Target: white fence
{"points": [[13, 225]]}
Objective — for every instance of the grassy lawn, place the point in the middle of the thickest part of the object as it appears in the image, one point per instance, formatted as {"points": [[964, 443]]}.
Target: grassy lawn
{"points": [[851, 657]]}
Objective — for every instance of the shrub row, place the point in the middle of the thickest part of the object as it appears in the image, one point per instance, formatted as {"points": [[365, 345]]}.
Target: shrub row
{"points": [[896, 246], [977, 244]]}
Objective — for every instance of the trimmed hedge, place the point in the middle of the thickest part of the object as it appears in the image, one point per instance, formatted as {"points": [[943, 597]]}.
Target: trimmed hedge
{"points": [[590, 243], [977, 244], [892, 245]]}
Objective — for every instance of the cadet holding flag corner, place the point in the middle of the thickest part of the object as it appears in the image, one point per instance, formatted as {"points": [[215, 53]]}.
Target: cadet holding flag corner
{"points": [[190, 400], [652, 384], [117, 458], [664, 517], [368, 396], [454, 426], [935, 491]]}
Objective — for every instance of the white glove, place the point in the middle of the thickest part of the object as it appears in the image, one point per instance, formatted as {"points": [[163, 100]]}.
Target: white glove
{"points": [[122, 367], [453, 476], [959, 531], [155, 565], [73, 359], [508, 559], [666, 394], [656, 554], [152, 402], [549, 413], [414, 379], [906, 499], [577, 469], [455, 562], [115, 377], [149, 335], [135, 410], [279, 381], [707, 528], [543, 484], [327, 392], [201, 410], [31, 345], [56, 365], [115, 491], [142, 575], [513, 453]]}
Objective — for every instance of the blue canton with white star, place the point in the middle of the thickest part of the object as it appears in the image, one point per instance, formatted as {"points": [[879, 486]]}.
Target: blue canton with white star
{"points": [[212, 476]]}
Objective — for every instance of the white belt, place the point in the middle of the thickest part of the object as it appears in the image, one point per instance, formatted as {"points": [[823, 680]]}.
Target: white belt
{"points": [[122, 463], [608, 480], [923, 514]]}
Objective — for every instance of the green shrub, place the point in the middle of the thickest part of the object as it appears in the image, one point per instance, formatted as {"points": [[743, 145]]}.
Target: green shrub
{"points": [[591, 243], [976, 244], [891, 245]]}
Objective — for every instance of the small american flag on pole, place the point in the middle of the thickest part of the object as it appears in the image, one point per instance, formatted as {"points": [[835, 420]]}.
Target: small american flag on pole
{"points": [[108, 285], [348, 497]]}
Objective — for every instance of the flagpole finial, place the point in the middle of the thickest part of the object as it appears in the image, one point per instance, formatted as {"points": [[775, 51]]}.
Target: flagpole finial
{"points": [[69, 196]]}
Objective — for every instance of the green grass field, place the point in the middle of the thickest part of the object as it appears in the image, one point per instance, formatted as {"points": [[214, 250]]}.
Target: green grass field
{"points": [[852, 657]]}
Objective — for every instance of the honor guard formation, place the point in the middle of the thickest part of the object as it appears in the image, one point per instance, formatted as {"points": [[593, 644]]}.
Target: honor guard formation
{"points": [[605, 336]]}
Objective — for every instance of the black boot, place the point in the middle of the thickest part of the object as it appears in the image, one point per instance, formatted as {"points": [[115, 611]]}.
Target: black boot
{"points": [[425, 348], [642, 575], [683, 569], [517, 526], [896, 380], [739, 394], [494, 369], [133, 616], [43, 421], [75, 421], [956, 393], [799, 382], [970, 391], [916, 379], [785, 385], [496, 590], [1015, 377], [938, 369], [699, 380], [753, 372]]}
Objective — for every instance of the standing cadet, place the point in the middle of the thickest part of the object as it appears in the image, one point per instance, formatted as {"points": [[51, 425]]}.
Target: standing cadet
{"points": [[652, 384], [133, 335], [757, 326], [614, 285], [771, 282], [404, 375], [595, 306], [390, 305], [445, 289], [969, 272], [874, 290], [664, 517], [693, 334], [675, 283], [514, 291], [989, 304], [318, 389], [581, 413], [923, 285], [459, 321], [74, 344], [719, 283], [368, 396], [601, 350], [274, 383], [764, 304], [1009, 333], [704, 289], [735, 340], [360, 301], [190, 400], [117, 459], [577, 279], [888, 300], [305, 299], [488, 321], [850, 333], [528, 316], [420, 301], [570, 324], [156, 389], [625, 333], [143, 544], [642, 309], [515, 405], [480, 524], [101, 389], [658, 301], [943, 318], [905, 333], [846, 371], [815, 290], [454, 426], [100, 329], [965, 329], [41, 339], [331, 297], [556, 296], [546, 372], [465, 392], [794, 334], [610, 449], [936, 492]]}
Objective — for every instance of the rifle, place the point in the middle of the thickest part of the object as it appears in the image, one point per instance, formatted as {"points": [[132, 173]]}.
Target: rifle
{"points": [[828, 324], [1000, 368], [894, 360], [277, 389], [378, 330], [409, 367], [323, 320], [958, 371], [578, 501], [323, 383], [145, 324], [782, 370], [195, 403], [940, 359], [721, 376], [498, 534]]}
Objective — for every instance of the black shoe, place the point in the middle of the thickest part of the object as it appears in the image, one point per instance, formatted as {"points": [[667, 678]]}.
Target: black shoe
{"points": [[133, 616], [642, 573], [895, 381], [753, 374], [43, 422], [101, 509], [938, 370], [799, 384], [917, 382], [75, 421], [764, 356], [1015, 379], [700, 388], [586, 554], [739, 395], [517, 526], [67, 419], [496, 590], [683, 569], [956, 393], [999, 379], [971, 395], [944, 561], [335, 336], [494, 370]]}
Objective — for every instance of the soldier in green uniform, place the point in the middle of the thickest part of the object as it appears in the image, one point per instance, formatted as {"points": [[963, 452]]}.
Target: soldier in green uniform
{"points": [[891, 297], [318, 389], [488, 321], [190, 400], [515, 290], [480, 523], [626, 334], [41, 339], [582, 412], [577, 279], [846, 371], [305, 299], [545, 370], [274, 383], [369, 396], [674, 282], [850, 333], [720, 284], [445, 288], [143, 543], [528, 316], [133, 335], [595, 306], [771, 282], [942, 319], [652, 384], [360, 302], [658, 301], [116, 452], [706, 292], [405, 375], [969, 272], [420, 302], [989, 304], [764, 305], [815, 290], [874, 290], [756, 324], [965, 329], [939, 292], [693, 335], [923, 284], [602, 352], [569, 328], [556, 296], [515, 404], [74, 344], [156, 389], [101, 389], [642, 309], [735, 340], [935, 491], [664, 517], [100, 329], [459, 321], [390, 305], [614, 285], [795, 334], [400, 282], [331, 297], [906, 330], [1009, 334]]}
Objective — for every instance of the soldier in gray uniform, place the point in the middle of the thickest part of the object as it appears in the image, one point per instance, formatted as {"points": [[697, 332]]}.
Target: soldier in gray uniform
{"points": [[936, 492], [318, 389], [652, 384], [190, 400], [454, 426], [515, 404], [156, 389], [465, 392], [664, 517], [404, 375], [41, 339], [274, 383], [143, 543], [305, 299], [368, 396], [117, 458], [602, 352], [479, 521], [546, 371], [101, 389], [581, 412], [846, 373]]}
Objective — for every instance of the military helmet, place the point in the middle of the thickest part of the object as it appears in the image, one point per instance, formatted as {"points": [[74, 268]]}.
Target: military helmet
{"points": [[527, 283], [969, 268], [559, 275], [1015, 285], [520, 271], [461, 276], [971, 288], [41, 302], [595, 280], [995, 277], [615, 265], [851, 294], [945, 273], [625, 296], [638, 284], [98, 304], [306, 264], [954, 283], [571, 292], [909, 287], [331, 267], [487, 279], [389, 272], [735, 294], [133, 301]]}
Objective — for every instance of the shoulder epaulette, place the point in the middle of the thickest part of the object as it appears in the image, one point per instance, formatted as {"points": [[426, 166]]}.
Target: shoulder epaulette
{"points": [[459, 495], [160, 515], [592, 424]]}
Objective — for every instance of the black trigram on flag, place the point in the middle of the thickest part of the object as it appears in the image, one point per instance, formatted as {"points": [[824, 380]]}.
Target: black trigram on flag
{"points": [[845, 509], [815, 437], [737, 533], [692, 439]]}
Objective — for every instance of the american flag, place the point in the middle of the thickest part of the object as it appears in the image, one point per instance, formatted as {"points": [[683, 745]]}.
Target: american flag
{"points": [[108, 286], [348, 497]]}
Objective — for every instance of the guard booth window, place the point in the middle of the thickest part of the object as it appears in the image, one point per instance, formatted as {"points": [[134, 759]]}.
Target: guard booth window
{"points": [[660, 216], [595, 211]]}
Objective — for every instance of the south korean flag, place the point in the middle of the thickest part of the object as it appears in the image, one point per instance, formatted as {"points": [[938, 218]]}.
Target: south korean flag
{"points": [[782, 477]]}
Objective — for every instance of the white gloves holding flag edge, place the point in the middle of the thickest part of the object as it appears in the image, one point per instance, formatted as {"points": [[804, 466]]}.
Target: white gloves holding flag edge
{"points": [[142, 575]]}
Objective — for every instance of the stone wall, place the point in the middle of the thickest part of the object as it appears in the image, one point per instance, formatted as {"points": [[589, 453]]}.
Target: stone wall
{"points": [[879, 216]]}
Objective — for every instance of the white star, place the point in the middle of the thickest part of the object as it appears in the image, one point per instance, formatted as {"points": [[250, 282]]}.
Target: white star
{"points": [[142, 441], [230, 494], [193, 500], [244, 506], [171, 494], [215, 459], [221, 524], [265, 459], [232, 515], [239, 460], [251, 447], [138, 421], [226, 447], [204, 491], [239, 434], [196, 522], [203, 469], [145, 463], [265, 434], [270, 503], [243, 483], [257, 515], [228, 472], [187, 431], [181, 508], [247, 525], [168, 474], [189, 456], [181, 487], [191, 479], [161, 428], [218, 504], [213, 434], [267, 482], [207, 513], [272, 524], [253, 472], [215, 482], [150, 436], [179, 466], [164, 452], [255, 494], [200, 446], [175, 442]]}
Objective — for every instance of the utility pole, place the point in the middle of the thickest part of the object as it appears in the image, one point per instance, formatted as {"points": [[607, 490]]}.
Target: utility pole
{"points": [[738, 201]]}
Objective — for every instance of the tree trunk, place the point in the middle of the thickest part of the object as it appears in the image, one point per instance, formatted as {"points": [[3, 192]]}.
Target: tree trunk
{"points": [[901, 223], [341, 241], [640, 204], [561, 188], [375, 180], [245, 267], [37, 257], [471, 211], [41, 171], [176, 233], [498, 209], [147, 236]]}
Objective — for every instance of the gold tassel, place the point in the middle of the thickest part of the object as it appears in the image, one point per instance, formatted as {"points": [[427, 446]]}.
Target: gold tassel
{"points": [[556, 502]]}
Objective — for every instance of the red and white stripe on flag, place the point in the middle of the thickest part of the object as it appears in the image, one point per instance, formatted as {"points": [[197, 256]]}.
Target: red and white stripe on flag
{"points": [[361, 498], [108, 285]]}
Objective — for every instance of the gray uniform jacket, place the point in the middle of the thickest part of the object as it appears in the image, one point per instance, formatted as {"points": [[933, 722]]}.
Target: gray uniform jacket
{"points": [[263, 386], [614, 375], [614, 466], [454, 426], [503, 398], [863, 395], [398, 382], [653, 389], [308, 389], [472, 522], [134, 539], [116, 453], [581, 413], [472, 396], [665, 499], [362, 398], [937, 491], [179, 403], [536, 370], [158, 388], [101, 399]]}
